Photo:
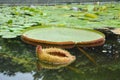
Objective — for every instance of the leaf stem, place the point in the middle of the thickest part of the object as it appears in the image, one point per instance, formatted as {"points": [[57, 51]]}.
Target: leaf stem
{"points": [[87, 55]]}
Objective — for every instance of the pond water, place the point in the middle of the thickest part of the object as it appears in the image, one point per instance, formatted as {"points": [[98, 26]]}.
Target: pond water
{"points": [[18, 62]]}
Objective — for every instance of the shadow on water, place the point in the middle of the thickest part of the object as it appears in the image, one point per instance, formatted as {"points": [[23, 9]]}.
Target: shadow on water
{"points": [[18, 62]]}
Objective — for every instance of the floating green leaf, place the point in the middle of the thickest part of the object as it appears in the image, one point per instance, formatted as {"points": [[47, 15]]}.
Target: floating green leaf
{"points": [[63, 36], [90, 15], [87, 16]]}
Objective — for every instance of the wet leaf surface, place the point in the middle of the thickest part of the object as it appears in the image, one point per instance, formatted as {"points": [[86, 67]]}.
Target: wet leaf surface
{"points": [[86, 16], [63, 34]]}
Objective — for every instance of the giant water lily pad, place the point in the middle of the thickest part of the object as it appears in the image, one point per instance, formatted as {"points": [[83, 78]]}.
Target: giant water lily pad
{"points": [[64, 37]]}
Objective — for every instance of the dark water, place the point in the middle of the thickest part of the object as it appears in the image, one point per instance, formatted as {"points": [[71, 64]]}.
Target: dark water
{"points": [[18, 62]]}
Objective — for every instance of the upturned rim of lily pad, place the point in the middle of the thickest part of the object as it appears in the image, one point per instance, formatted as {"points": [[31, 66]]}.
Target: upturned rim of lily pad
{"points": [[67, 37]]}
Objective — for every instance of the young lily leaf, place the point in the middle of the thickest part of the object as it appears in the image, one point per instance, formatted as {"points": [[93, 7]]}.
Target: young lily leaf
{"points": [[90, 15]]}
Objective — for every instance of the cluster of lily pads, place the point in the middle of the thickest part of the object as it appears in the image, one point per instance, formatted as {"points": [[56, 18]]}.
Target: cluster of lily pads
{"points": [[16, 19]]}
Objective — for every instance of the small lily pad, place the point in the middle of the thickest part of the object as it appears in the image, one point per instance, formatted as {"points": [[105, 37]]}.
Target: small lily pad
{"points": [[9, 35], [64, 37]]}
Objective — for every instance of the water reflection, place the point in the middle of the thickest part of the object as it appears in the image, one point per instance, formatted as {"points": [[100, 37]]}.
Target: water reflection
{"points": [[25, 76], [18, 61], [41, 65]]}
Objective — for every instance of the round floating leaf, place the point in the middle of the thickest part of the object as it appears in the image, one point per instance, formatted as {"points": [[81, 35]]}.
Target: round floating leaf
{"points": [[9, 35], [63, 37]]}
